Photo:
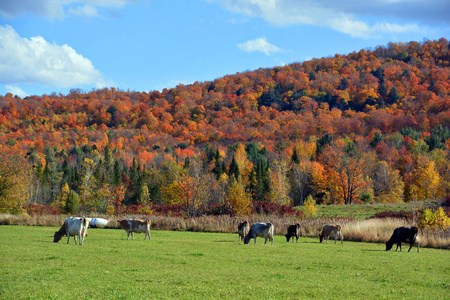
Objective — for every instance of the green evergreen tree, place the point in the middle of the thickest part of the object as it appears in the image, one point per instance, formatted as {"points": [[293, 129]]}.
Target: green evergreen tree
{"points": [[117, 174], [295, 158], [234, 169]]}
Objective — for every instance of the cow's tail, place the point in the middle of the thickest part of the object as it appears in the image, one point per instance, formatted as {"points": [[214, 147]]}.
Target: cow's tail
{"points": [[339, 228], [85, 225], [85, 222]]}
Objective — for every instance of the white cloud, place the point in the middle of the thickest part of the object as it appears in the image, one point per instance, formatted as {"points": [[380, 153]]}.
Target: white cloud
{"points": [[15, 90], [35, 60], [57, 8], [87, 11], [345, 16], [259, 45]]}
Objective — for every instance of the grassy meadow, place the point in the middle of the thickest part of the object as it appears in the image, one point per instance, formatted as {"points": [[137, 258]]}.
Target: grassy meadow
{"points": [[186, 264]]}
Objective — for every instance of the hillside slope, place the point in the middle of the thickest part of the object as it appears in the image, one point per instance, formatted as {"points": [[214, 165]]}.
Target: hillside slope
{"points": [[386, 109]]}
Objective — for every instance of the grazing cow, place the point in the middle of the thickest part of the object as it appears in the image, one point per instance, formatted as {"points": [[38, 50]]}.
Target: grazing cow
{"points": [[138, 226], [403, 234], [331, 229], [264, 230], [97, 222], [243, 229], [293, 230], [73, 227]]}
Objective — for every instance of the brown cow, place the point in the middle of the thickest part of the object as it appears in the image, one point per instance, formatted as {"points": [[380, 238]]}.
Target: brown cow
{"points": [[243, 230], [293, 231], [134, 225], [331, 229]]}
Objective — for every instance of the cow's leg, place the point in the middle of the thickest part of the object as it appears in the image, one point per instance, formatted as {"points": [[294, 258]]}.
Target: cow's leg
{"points": [[128, 235], [297, 238], [410, 246], [132, 235], [326, 238], [255, 240], [335, 237], [80, 239]]}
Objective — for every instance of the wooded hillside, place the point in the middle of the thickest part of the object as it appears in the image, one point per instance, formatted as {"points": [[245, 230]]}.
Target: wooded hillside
{"points": [[369, 126]]}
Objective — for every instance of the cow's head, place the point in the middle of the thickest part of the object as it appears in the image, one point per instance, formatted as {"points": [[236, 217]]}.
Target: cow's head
{"points": [[321, 238], [288, 237], [57, 237], [389, 245], [247, 239]]}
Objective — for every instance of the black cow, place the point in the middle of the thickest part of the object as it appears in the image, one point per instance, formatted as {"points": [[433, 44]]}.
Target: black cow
{"points": [[403, 234], [293, 231]]}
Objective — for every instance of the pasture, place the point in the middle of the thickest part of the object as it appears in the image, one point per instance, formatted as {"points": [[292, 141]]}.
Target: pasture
{"points": [[184, 264]]}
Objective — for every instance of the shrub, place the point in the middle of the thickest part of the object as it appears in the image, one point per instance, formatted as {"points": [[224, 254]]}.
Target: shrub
{"points": [[110, 210], [272, 208], [366, 198], [310, 208], [436, 220], [407, 215], [40, 210], [151, 209], [72, 203]]}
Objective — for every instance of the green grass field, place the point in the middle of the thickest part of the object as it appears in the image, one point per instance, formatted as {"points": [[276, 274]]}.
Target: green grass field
{"points": [[363, 211], [190, 265]]}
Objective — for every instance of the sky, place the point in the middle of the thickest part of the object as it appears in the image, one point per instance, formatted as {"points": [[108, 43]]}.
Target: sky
{"points": [[53, 46]]}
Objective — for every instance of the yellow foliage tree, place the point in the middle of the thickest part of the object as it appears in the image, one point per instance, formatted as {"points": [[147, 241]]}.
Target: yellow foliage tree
{"points": [[85, 184], [310, 208], [237, 199], [172, 194], [279, 184], [14, 181], [436, 220], [426, 179], [387, 183], [61, 200]]}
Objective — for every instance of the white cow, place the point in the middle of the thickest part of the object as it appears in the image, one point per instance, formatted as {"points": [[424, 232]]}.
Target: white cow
{"points": [[73, 227], [264, 230]]}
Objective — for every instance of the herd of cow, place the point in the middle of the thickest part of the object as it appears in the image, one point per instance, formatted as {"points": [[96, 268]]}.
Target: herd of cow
{"points": [[78, 227]]}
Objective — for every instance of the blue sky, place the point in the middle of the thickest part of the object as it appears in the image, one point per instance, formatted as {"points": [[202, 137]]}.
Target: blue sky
{"points": [[49, 46]]}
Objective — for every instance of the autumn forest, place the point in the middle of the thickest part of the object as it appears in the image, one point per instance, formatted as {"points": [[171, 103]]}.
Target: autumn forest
{"points": [[366, 127]]}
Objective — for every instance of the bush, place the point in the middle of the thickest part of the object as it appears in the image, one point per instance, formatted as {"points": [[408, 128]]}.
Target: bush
{"points": [[175, 210], [40, 210], [436, 220], [407, 215], [310, 208], [271, 208], [366, 198], [72, 203]]}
